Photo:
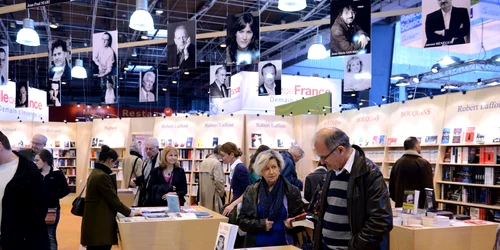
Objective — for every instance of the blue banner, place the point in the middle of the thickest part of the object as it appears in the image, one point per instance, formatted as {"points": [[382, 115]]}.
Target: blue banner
{"points": [[412, 21]]}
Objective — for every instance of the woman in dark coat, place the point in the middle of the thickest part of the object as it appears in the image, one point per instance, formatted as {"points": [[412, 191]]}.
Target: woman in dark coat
{"points": [[269, 205], [167, 178], [101, 204]]}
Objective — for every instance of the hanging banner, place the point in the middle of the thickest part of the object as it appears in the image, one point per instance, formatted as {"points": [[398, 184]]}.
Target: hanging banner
{"points": [[242, 39], [60, 60], [445, 22], [35, 110], [39, 3], [357, 73], [220, 86], [270, 78], [54, 94], [148, 90], [411, 28], [350, 24], [105, 58], [4, 65], [22, 96], [182, 46]]}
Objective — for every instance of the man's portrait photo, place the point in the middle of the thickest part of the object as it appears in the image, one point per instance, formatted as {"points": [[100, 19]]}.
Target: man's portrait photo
{"points": [[54, 94], [182, 45], [446, 22], [104, 56], [220, 84], [350, 27], [269, 78], [148, 89], [59, 60], [357, 72], [22, 94], [220, 242], [4, 65]]}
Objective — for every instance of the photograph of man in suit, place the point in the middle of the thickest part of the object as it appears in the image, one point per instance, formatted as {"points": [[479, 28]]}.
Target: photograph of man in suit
{"points": [[145, 93], [347, 37], [447, 26], [181, 54], [60, 69], [3, 66], [270, 86], [218, 88]]}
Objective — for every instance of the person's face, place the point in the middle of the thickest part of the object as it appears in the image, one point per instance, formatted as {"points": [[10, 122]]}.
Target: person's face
{"points": [[269, 74], [39, 162], [55, 88], [22, 90], [180, 38], [3, 58], [409, 198], [220, 243], [418, 148], [296, 157], [151, 150], [355, 66], [244, 37], [330, 158], [226, 158], [444, 4], [348, 15], [105, 40], [59, 57], [171, 157], [37, 144], [271, 172], [148, 82], [220, 76]]}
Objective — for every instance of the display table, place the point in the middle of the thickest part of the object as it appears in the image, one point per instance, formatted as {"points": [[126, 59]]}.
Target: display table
{"points": [[126, 196], [272, 248], [463, 237], [161, 234]]}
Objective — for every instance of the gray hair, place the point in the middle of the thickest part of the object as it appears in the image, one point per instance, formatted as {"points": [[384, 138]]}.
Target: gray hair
{"points": [[296, 150], [150, 74], [263, 159], [333, 137], [153, 141], [41, 137], [134, 146]]}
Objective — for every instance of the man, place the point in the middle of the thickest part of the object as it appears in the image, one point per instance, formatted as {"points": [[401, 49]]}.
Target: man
{"points": [[132, 165], [211, 183], [355, 211], [218, 88], [38, 142], [152, 152], [22, 199], [182, 53], [314, 181], [53, 95], [410, 172], [3, 62], [346, 35], [291, 157], [148, 81], [60, 70], [270, 86], [447, 26], [105, 56]]}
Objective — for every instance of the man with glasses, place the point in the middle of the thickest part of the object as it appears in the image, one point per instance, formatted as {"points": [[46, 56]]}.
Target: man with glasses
{"points": [[152, 151], [37, 144], [355, 211]]}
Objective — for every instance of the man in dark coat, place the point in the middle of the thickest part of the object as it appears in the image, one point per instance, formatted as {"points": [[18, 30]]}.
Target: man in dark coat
{"points": [[314, 181], [447, 26], [22, 196], [181, 54], [38, 142], [410, 172], [219, 88], [289, 172]]}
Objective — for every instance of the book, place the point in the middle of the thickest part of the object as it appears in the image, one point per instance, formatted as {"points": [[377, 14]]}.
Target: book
{"points": [[162, 143], [169, 142], [457, 135], [430, 200], [189, 142], [381, 140], [496, 134], [202, 215], [445, 138], [375, 140], [72, 144], [94, 142], [226, 236], [479, 138], [280, 143], [100, 143], [410, 201], [392, 141], [469, 134], [182, 216], [215, 141], [57, 144], [173, 203], [256, 140], [432, 139]]}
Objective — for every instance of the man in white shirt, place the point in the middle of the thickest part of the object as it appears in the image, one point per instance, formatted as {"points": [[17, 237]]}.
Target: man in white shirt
{"points": [[148, 81], [270, 86], [105, 56], [22, 202], [447, 26]]}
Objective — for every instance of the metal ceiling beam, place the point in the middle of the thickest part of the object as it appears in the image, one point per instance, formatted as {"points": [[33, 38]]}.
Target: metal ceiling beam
{"points": [[6, 32], [46, 21]]}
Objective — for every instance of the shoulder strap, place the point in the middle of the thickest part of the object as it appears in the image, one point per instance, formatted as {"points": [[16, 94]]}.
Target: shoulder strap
{"points": [[80, 195], [133, 168]]}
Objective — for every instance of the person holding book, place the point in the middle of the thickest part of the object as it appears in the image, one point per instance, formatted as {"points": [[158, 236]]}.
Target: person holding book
{"points": [[102, 204], [56, 188], [167, 178], [269, 205], [211, 182], [254, 177], [410, 172]]}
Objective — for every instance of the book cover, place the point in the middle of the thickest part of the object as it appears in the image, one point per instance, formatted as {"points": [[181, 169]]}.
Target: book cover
{"points": [[490, 155], [162, 143], [189, 142], [409, 199], [169, 142], [95, 141], [280, 143], [381, 140], [57, 144], [256, 140], [445, 138], [173, 203], [479, 138], [100, 143], [457, 135], [469, 134], [72, 144], [430, 200], [431, 139], [473, 155], [215, 141], [200, 142], [226, 236], [66, 144], [392, 141], [375, 140]]}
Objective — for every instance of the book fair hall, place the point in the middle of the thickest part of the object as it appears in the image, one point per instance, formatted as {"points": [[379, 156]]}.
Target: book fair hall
{"points": [[250, 124]]}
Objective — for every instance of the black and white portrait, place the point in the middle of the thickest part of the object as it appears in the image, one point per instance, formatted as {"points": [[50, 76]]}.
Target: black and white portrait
{"points": [[220, 86], [148, 89], [182, 45], [446, 22], [59, 60], [108, 91], [357, 72], [54, 93], [105, 57], [4, 65], [242, 39], [22, 95], [220, 242], [270, 78], [350, 27]]}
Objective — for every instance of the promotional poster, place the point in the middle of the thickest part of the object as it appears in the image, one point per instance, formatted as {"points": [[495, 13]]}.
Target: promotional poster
{"points": [[182, 47], [220, 85], [350, 27], [269, 78], [242, 39], [357, 72], [60, 60]]}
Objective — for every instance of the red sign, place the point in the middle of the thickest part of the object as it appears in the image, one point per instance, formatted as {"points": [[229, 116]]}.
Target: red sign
{"points": [[70, 112], [168, 111]]}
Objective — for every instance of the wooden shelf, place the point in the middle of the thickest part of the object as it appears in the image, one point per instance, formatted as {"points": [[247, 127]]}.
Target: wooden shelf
{"points": [[95, 158], [470, 144], [202, 148], [372, 147], [470, 164], [66, 166], [467, 184], [185, 159], [63, 148], [64, 157], [467, 204], [421, 145]]}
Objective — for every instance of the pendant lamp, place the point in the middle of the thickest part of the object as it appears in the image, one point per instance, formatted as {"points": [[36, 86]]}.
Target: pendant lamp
{"points": [[78, 70], [317, 51], [27, 35], [141, 18], [292, 5]]}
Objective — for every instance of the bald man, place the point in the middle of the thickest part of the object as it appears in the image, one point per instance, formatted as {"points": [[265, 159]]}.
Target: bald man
{"points": [[38, 142]]}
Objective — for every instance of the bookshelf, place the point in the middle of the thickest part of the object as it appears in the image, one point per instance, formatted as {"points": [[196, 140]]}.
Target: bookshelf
{"points": [[117, 170], [65, 160]]}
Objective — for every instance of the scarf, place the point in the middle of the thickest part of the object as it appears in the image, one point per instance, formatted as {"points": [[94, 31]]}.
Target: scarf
{"points": [[271, 202], [132, 152]]}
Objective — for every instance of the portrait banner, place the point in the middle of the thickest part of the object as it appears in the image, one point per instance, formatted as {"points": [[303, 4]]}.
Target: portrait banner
{"points": [[269, 78], [242, 40], [60, 60], [148, 87], [22, 98], [181, 47], [220, 83], [357, 73], [4, 65], [54, 94]]}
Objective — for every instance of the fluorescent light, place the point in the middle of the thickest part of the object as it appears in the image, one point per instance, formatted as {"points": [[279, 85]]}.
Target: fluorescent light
{"points": [[138, 68], [292, 5], [164, 89], [415, 79], [450, 87], [399, 77], [78, 70], [174, 82], [495, 83], [27, 35], [448, 60], [402, 83], [141, 19], [317, 51], [223, 45]]}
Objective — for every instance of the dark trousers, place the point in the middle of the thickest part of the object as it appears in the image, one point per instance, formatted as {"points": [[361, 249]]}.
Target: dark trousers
{"points": [[99, 247], [52, 231]]}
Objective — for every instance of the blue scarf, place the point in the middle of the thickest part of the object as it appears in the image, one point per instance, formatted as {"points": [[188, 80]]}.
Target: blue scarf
{"points": [[271, 202]]}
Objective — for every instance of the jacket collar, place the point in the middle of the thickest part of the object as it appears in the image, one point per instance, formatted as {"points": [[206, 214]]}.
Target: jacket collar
{"points": [[411, 152], [359, 167], [321, 169], [103, 168]]}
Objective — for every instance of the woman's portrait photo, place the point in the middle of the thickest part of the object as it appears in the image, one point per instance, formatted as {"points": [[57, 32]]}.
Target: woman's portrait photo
{"points": [[21, 94], [357, 73], [242, 40], [108, 95]]}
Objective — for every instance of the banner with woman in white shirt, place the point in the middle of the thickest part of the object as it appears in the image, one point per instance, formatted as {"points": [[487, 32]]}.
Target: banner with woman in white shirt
{"points": [[105, 64]]}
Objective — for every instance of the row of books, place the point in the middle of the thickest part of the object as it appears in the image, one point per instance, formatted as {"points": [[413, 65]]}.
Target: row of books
{"points": [[375, 155], [64, 162], [64, 144], [470, 135], [474, 212], [69, 171], [429, 154], [194, 190], [468, 194], [63, 153], [203, 153], [370, 141], [476, 175], [174, 143], [95, 154], [185, 154], [472, 155]]}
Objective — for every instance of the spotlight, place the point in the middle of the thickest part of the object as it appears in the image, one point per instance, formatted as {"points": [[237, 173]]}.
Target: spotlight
{"points": [[223, 45], [495, 83], [479, 81], [431, 96], [324, 109], [186, 73], [384, 99], [154, 115], [186, 116], [222, 110], [495, 58], [415, 79], [174, 82], [448, 60], [107, 107], [99, 106], [308, 112], [399, 77], [464, 92], [265, 111], [324, 114], [258, 114], [77, 120], [231, 114], [435, 68], [360, 103], [291, 113], [78, 104], [353, 94], [208, 115]]}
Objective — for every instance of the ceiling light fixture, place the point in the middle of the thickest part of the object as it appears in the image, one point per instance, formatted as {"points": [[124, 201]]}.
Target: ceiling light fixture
{"points": [[402, 83], [144, 35], [174, 82], [141, 18], [317, 51], [164, 89], [27, 35], [53, 24], [495, 83], [435, 68], [78, 70], [399, 77], [448, 60], [292, 5], [186, 73]]}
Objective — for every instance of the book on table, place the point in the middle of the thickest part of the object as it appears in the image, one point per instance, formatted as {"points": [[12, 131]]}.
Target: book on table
{"points": [[410, 201], [226, 236]]}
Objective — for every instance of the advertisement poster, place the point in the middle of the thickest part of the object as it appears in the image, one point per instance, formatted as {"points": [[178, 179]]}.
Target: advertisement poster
{"points": [[350, 27], [182, 48], [357, 73]]}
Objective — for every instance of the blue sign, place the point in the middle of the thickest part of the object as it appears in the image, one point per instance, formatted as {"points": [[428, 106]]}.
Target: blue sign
{"points": [[411, 21]]}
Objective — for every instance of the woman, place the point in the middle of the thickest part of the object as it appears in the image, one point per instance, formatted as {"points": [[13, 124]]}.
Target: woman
{"points": [[243, 42], [101, 204], [211, 182], [109, 94], [167, 178], [355, 79], [56, 189], [240, 177], [269, 205], [254, 177]]}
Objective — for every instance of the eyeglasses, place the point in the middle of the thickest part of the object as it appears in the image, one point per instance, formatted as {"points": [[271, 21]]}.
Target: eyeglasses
{"points": [[323, 158], [37, 143]]}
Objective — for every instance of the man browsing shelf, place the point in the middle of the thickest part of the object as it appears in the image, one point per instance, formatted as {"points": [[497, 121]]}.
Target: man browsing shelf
{"points": [[291, 157], [37, 144]]}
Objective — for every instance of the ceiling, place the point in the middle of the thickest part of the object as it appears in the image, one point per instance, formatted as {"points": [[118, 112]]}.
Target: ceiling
{"points": [[81, 18]]}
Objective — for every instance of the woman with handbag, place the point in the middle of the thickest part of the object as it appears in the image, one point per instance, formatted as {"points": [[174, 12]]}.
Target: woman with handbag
{"points": [[56, 187], [101, 204], [167, 178]]}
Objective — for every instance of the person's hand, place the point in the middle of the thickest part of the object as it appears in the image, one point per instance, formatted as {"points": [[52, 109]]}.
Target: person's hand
{"points": [[138, 213], [439, 32], [185, 52], [228, 210], [363, 40], [132, 183], [164, 197], [269, 225], [288, 223]]}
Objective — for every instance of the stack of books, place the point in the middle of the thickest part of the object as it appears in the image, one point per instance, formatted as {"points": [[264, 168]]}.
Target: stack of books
{"points": [[436, 221]]}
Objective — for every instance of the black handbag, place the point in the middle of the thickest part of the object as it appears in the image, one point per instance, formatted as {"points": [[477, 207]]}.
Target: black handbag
{"points": [[78, 204], [233, 216]]}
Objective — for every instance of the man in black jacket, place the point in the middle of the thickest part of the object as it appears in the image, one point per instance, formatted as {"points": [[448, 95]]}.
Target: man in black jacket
{"points": [[410, 172], [291, 157], [447, 26], [38, 142], [22, 195], [355, 211], [314, 181]]}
